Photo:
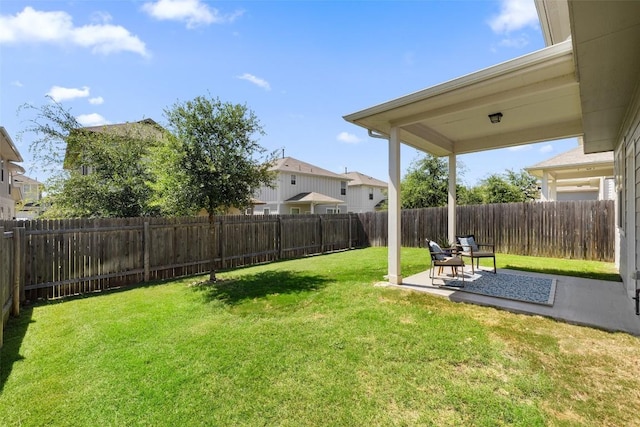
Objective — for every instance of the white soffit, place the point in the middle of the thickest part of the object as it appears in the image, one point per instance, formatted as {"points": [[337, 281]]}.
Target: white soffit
{"points": [[537, 94]]}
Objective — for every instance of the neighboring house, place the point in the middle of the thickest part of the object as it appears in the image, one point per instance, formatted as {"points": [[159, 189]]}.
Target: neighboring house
{"points": [[585, 83], [301, 188], [574, 175], [9, 195], [364, 193], [29, 207]]}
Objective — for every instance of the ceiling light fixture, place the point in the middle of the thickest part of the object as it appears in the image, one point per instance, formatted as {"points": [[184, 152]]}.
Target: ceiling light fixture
{"points": [[495, 117]]}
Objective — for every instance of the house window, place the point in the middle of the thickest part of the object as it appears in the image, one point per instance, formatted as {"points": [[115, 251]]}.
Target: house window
{"points": [[370, 193], [294, 211], [333, 210], [265, 211], [248, 211], [293, 180], [1, 170], [343, 188]]}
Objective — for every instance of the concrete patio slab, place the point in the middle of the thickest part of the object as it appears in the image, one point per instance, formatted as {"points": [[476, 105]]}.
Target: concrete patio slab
{"points": [[596, 303]]}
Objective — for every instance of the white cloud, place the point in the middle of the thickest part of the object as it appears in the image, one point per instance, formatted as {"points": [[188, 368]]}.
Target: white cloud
{"points": [[98, 100], [349, 138], [17, 83], [520, 148], [514, 15], [516, 42], [193, 12], [546, 148], [33, 26], [101, 17], [255, 80], [93, 119], [59, 93]]}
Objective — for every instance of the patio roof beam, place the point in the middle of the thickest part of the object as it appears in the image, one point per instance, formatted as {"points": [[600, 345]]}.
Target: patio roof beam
{"points": [[568, 129], [430, 135]]}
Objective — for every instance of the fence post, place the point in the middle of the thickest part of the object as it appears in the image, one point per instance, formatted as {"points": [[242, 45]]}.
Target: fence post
{"points": [[350, 241], [320, 232], [18, 276], [221, 245], [279, 236], [146, 245]]}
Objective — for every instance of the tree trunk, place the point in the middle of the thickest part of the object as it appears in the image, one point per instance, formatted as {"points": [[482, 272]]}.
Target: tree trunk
{"points": [[212, 232]]}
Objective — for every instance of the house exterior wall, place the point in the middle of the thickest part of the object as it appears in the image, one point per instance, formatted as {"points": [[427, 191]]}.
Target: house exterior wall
{"points": [[358, 200], [29, 208], [7, 204], [577, 195], [627, 171], [284, 189]]}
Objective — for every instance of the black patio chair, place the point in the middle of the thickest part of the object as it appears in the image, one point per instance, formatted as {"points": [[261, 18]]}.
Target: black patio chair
{"points": [[444, 257], [468, 247]]}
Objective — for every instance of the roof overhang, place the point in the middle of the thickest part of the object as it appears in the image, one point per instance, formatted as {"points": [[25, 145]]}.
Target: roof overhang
{"points": [[577, 172], [313, 198], [8, 149], [605, 36], [537, 94], [554, 20]]}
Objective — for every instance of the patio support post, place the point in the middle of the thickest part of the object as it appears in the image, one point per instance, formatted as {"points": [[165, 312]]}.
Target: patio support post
{"points": [[553, 190], [394, 271], [544, 187], [451, 205]]}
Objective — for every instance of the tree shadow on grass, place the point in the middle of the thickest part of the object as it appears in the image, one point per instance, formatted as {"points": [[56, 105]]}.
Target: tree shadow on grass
{"points": [[14, 333], [235, 291], [611, 277]]}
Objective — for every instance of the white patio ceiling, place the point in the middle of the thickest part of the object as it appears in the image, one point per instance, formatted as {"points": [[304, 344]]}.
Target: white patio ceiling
{"points": [[538, 95]]}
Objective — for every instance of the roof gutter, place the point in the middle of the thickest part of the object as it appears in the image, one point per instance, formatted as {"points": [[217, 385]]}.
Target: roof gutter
{"points": [[373, 134]]}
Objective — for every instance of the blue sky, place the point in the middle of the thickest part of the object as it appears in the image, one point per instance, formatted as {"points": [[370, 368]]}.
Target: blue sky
{"points": [[299, 65]]}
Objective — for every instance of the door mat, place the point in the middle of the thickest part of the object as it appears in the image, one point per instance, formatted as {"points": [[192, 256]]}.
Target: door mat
{"points": [[537, 290]]}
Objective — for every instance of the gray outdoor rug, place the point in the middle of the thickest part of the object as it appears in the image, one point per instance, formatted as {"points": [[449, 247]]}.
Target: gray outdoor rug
{"points": [[538, 290]]}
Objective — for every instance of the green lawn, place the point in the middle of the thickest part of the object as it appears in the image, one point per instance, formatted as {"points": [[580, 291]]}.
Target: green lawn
{"points": [[310, 342], [564, 267]]}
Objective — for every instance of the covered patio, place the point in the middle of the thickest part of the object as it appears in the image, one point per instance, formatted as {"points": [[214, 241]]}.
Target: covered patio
{"points": [[588, 302], [529, 99]]}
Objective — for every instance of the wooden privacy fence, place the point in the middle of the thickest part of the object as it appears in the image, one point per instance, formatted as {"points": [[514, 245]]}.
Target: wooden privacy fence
{"points": [[572, 229], [68, 257], [11, 273]]}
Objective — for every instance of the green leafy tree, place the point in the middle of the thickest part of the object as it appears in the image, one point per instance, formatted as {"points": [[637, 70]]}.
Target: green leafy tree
{"points": [[426, 183], [171, 184], [118, 180], [510, 187], [219, 163], [526, 183], [469, 195]]}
